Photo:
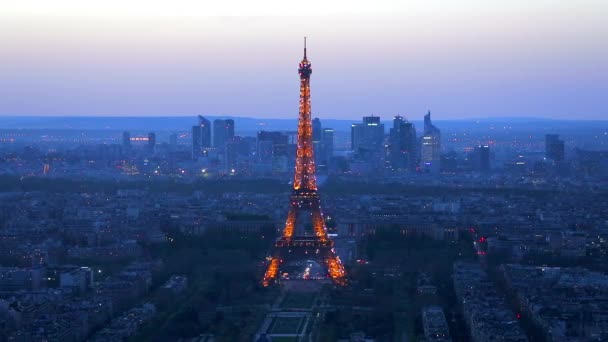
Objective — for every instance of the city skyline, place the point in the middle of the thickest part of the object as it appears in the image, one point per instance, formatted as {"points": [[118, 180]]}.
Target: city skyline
{"points": [[442, 177], [466, 61]]}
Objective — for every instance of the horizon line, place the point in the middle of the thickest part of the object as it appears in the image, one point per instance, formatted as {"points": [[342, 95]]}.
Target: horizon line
{"points": [[408, 117]]}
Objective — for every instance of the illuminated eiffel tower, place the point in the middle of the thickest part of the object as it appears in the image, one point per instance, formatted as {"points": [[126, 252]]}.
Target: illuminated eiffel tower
{"points": [[305, 234]]}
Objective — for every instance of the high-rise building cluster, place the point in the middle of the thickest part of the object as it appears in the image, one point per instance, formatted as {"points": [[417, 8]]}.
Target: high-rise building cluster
{"points": [[400, 151], [218, 146], [372, 148], [269, 152]]}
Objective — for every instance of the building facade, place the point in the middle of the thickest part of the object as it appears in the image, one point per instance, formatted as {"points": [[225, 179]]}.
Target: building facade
{"points": [[430, 148]]}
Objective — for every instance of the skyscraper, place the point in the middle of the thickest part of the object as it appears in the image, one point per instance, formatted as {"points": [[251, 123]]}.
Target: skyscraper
{"points": [[201, 136], [223, 136], [367, 140], [317, 129], [271, 144], [430, 146], [367, 135], [481, 158], [327, 145], [402, 144], [231, 152], [272, 151], [554, 148], [205, 126], [223, 131]]}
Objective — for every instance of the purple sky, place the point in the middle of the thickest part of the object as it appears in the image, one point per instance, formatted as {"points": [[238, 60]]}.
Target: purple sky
{"points": [[462, 62]]}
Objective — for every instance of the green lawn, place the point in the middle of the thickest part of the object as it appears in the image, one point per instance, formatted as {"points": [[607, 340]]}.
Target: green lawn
{"points": [[286, 325], [298, 300]]}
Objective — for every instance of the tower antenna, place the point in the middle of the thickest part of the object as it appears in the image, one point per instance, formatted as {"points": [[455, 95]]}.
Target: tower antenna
{"points": [[304, 47]]}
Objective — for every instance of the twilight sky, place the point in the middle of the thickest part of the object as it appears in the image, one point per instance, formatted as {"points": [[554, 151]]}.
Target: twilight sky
{"points": [[470, 58]]}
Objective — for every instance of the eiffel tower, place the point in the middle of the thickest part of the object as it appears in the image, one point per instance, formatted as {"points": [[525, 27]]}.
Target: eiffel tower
{"points": [[305, 234]]}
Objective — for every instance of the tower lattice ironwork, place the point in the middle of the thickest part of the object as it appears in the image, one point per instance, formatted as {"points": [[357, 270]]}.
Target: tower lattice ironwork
{"points": [[305, 234]]}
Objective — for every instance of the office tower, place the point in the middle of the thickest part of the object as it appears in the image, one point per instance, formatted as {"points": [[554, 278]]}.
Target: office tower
{"points": [[356, 136], [126, 139], [481, 158], [402, 139], [327, 145], [272, 151], [368, 135], [231, 154], [151, 142], [430, 146], [298, 241], [554, 147], [317, 130], [271, 144], [367, 141], [205, 127], [264, 148], [223, 135], [223, 131], [201, 137]]}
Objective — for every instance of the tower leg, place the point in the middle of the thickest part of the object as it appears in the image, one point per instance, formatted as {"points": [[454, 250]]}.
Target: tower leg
{"points": [[271, 272], [318, 221], [290, 223]]}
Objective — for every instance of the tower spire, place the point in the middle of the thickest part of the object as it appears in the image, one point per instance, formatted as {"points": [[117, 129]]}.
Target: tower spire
{"points": [[304, 47]]}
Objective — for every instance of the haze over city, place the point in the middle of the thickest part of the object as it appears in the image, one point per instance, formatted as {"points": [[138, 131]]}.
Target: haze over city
{"points": [[466, 59]]}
